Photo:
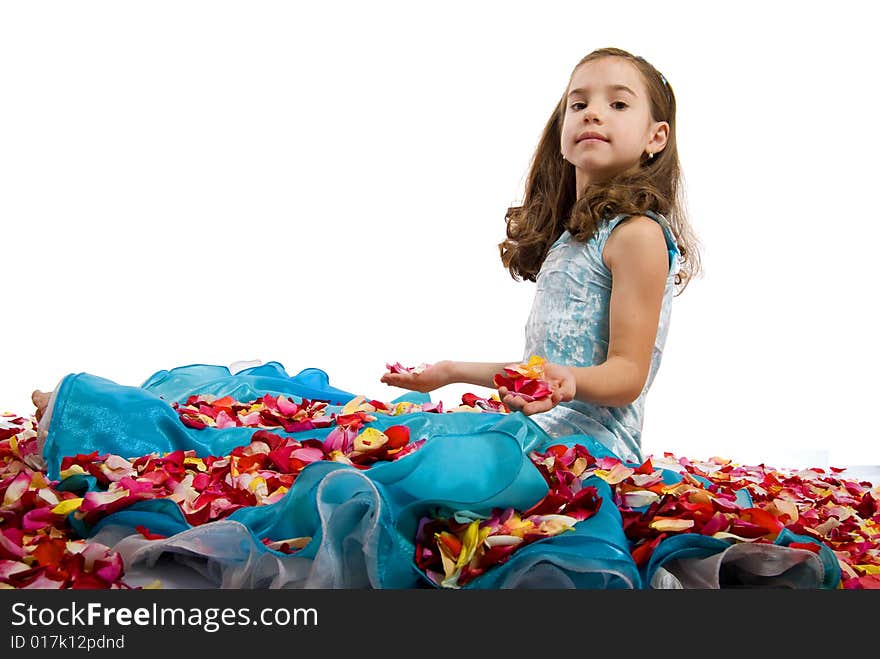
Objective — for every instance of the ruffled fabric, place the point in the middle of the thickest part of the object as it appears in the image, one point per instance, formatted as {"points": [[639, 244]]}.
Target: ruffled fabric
{"points": [[358, 526]]}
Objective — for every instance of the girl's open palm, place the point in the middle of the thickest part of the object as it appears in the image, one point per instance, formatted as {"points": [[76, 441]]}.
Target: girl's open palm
{"points": [[562, 388], [433, 377]]}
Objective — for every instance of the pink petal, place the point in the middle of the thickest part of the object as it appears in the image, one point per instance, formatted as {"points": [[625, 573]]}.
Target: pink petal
{"points": [[225, 421], [137, 487], [43, 582], [8, 568], [335, 439], [17, 488], [252, 419], [308, 454], [10, 543], [286, 406], [38, 518], [109, 569], [607, 463], [96, 500]]}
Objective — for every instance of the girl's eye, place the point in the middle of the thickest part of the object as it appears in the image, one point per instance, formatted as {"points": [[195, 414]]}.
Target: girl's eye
{"points": [[579, 105]]}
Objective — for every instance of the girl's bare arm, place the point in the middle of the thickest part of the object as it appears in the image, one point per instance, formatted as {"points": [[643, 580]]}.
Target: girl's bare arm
{"points": [[637, 256]]}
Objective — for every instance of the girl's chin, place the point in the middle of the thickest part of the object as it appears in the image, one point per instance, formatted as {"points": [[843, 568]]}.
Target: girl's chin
{"points": [[593, 172], [596, 172]]}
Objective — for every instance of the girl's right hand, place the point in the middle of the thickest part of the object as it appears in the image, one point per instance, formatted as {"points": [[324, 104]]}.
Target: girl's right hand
{"points": [[435, 376]]}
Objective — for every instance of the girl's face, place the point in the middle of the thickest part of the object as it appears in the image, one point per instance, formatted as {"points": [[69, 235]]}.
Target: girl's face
{"points": [[607, 126]]}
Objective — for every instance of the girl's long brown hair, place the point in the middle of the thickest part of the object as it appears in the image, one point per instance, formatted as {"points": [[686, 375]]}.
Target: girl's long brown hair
{"points": [[551, 205]]}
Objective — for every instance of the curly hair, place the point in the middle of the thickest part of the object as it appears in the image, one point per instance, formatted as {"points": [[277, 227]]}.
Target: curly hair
{"points": [[551, 203]]}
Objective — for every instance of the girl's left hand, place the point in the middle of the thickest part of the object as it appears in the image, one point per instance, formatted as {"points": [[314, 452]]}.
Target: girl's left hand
{"points": [[562, 388]]}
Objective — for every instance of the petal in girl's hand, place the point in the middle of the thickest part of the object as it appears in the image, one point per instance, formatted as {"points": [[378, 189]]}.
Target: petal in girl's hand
{"points": [[423, 378], [396, 367]]}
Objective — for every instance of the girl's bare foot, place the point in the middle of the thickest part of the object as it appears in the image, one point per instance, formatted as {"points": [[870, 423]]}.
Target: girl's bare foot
{"points": [[41, 401]]}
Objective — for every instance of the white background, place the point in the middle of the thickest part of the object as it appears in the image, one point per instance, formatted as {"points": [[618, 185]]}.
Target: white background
{"points": [[324, 185]]}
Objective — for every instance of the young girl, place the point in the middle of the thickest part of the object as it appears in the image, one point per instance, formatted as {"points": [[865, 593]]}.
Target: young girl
{"points": [[603, 233]]}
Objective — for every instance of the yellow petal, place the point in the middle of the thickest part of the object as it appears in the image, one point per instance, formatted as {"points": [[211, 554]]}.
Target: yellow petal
{"points": [[868, 569], [198, 463], [827, 526], [370, 440], [518, 526], [579, 466], [787, 508], [535, 367], [351, 406], [256, 483], [67, 506], [469, 543], [639, 498], [502, 540], [700, 496], [72, 470], [554, 524], [724, 535], [669, 524], [292, 543], [39, 480], [678, 489], [403, 408], [76, 546], [466, 408], [618, 473]]}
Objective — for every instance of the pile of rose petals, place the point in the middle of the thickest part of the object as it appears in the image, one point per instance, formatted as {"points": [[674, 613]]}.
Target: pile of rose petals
{"points": [[841, 512], [266, 412], [525, 379], [212, 487], [37, 547], [283, 413]]}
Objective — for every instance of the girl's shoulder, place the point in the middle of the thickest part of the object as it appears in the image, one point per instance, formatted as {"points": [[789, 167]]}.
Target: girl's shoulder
{"points": [[608, 225]]}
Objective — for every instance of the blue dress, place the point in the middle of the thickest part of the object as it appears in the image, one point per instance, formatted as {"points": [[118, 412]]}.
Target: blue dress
{"points": [[568, 324], [362, 523]]}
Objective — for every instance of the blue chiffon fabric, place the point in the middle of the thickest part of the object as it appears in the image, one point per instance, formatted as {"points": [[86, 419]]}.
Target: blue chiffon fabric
{"points": [[362, 523]]}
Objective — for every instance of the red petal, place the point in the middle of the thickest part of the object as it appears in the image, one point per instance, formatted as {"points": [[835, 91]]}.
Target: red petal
{"points": [[49, 551], [398, 436], [642, 554], [646, 467], [144, 531], [810, 546]]}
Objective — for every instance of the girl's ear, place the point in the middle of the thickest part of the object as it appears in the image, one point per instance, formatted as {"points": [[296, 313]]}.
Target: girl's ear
{"points": [[659, 137]]}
